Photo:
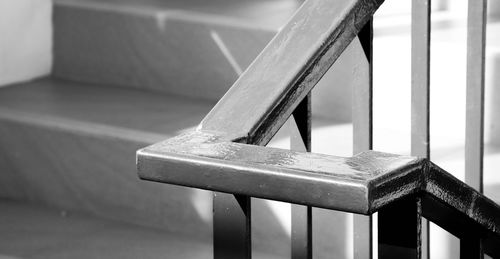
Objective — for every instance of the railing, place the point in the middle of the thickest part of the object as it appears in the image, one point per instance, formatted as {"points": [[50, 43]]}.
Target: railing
{"points": [[221, 154]]}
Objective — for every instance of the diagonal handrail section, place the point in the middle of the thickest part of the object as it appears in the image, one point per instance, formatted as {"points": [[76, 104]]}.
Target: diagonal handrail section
{"points": [[266, 94]]}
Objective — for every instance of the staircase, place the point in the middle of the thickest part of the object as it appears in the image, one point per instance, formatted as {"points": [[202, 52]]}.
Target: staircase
{"points": [[130, 73], [126, 74]]}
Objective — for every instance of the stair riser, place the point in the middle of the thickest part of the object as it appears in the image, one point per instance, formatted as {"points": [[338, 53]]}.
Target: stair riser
{"points": [[171, 52], [181, 53], [93, 174]]}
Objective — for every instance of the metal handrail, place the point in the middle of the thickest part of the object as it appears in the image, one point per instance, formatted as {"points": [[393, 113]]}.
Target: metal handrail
{"points": [[362, 184], [220, 154]]}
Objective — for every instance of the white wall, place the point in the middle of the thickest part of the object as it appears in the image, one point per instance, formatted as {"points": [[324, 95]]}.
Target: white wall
{"points": [[25, 39]]}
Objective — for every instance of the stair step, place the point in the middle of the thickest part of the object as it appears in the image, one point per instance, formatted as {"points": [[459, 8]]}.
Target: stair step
{"points": [[265, 14], [113, 111], [193, 48], [33, 231], [72, 146]]}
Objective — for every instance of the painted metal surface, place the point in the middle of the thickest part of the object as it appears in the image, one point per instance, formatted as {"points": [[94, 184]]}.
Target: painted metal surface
{"points": [[266, 94], [228, 165], [362, 184], [474, 126], [300, 140], [362, 96], [420, 81], [362, 122], [370, 179], [420, 92], [204, 160], [470, 246], [272, 87], [232, 225], [399, 226], [217, 155]]}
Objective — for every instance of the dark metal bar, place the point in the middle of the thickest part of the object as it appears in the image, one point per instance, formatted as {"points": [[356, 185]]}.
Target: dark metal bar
{"points": [[420, 81], [474, 126], [363, 236], [301, 232], [362, 118], [232, 225], [300, 140], [470, 233], [491, 248], [362, 114], [300, 135], [399, 226], [420, 92], [471, 248], [474, 212], [470, 245], [460, 225]]}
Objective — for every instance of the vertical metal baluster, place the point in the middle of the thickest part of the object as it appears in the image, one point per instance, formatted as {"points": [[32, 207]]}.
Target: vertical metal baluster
{"points": [[232, 226], [362, 119], [301, 215], [399, 227], [420, 91], [476, 43], [420, 79], [470, 246]]}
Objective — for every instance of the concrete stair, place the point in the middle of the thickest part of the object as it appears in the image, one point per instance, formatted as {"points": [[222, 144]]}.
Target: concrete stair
{"points": [[165, 46], [71, 146], [32, 231], [126, 74]]}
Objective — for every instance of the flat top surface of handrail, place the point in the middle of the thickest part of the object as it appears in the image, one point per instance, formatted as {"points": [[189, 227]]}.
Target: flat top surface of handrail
{"points": [[358, 168], [204, 160]]}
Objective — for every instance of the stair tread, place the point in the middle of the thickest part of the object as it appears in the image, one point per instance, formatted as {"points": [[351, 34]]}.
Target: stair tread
{"points": [[264, 13], [33, 231], [49, 100]]}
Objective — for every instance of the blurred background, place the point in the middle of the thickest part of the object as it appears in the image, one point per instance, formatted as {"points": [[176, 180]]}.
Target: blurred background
{"points": [[85, 83]]}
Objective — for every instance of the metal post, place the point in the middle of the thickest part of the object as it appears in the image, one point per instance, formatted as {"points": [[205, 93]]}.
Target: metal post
{"points": [[232, 238], [399, 227], [362, 116], [301, 215]]}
